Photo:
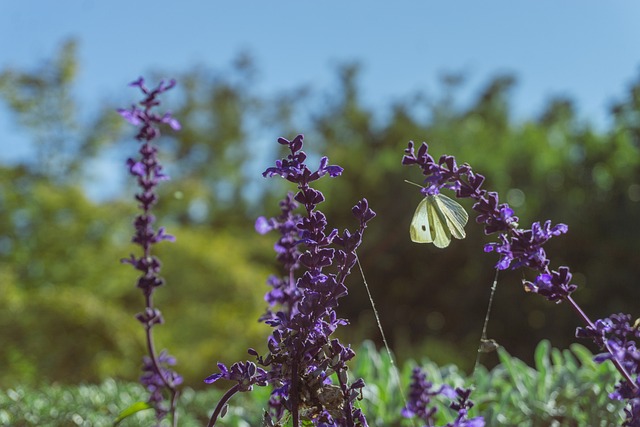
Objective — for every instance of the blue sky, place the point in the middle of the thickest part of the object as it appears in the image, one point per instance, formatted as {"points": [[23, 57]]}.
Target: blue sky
{"points": [[585, 49]]}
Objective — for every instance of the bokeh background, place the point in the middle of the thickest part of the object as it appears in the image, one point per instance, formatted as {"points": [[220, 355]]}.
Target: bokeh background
{"points": [[543, 98]]}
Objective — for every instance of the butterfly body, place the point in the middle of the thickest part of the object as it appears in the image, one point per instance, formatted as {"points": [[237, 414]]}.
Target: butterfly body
{"points": [[436, 219]]}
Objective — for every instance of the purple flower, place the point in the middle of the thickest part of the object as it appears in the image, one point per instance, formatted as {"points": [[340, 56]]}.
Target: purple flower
{"points": [[245, 374], [147, 171], [463, 405], [422, 394], [155, 381], [523, 248], [617, 335], [305, 365], [554, 286], [487, 207]]}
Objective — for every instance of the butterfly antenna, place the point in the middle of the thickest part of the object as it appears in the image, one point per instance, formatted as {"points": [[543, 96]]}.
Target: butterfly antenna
{"points": [[413, 183], [394, 367], [487, 345]]}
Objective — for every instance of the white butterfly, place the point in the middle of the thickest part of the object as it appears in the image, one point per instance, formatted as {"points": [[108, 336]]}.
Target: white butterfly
{"points": [[437, 218]]}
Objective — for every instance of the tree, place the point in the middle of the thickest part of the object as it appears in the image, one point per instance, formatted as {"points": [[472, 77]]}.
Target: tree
{"points": [[43, 103]]}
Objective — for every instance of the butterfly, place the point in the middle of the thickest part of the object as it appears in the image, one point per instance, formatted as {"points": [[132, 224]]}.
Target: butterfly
{"points": [[437, 218]]}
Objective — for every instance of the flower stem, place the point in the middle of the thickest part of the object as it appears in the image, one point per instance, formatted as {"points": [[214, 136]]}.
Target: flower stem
{"points": [[221, 404]]}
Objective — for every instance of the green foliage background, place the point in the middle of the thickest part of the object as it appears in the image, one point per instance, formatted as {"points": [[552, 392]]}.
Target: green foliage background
{"points": [[67, 305], [563, 388]]}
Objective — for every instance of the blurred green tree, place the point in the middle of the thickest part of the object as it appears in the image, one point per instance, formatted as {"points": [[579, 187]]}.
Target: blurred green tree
{"points": [[59, 251], [557, 167], [44, 104]]}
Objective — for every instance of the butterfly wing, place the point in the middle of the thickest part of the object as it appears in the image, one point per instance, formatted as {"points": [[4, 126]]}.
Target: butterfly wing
{"points": [[438, 223], [455, 215], [436, 219], [420, 229]]}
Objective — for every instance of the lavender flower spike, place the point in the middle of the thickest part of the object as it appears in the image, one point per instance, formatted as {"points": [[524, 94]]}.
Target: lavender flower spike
{"points": [[305, 365], [420, 402], [147, 170]]}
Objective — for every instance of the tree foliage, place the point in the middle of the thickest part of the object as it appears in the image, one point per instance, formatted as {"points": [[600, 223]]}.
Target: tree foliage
{"points": [[44, 104], [65, 295]]}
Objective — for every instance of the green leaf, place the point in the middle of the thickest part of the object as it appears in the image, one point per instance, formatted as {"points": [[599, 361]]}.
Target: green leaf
{"points": [[584, 355], [541, 355], [134, 408], [570, 363], [543, 365]]}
